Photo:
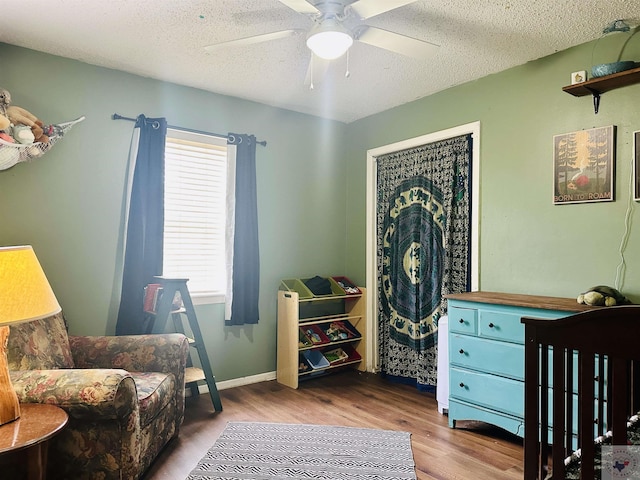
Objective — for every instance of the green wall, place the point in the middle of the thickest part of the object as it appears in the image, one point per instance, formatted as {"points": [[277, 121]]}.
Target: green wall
{"points": [[69, 203], [311, 185], [527, 244]]}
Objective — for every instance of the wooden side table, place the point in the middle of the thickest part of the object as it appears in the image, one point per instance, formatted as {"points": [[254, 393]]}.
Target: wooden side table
{"points": [[31, 432]]}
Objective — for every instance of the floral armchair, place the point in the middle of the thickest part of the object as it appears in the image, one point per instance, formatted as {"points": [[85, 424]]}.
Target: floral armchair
{"points": [[124, 395]]}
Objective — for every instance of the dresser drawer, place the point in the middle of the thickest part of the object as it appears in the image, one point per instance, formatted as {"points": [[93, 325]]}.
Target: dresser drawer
{"points": [[501, 326], [463, 320], [487, 355], [497, 393]]}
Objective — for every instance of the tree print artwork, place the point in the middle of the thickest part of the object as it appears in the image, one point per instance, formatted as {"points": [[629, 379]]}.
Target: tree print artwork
{"points": [[583, 166]]}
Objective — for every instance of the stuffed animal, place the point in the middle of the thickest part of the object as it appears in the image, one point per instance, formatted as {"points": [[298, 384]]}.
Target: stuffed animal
{"points": [[5, 99], [4, 122], [602, 295], [21, 116], [22, 134]]}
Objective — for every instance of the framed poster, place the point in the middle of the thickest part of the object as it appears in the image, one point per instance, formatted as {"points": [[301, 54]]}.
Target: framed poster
{"points": [[636, 166], [583, 166]]}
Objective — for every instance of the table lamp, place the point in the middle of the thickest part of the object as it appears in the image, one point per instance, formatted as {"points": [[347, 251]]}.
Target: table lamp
{"points": [[25, 295]]}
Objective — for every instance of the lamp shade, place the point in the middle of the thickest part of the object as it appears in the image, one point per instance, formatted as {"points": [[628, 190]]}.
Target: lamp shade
{"points": [[25, 293], [329, 40]]}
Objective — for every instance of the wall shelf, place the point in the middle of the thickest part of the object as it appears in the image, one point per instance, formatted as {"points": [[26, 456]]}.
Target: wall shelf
{"points": [[599, 85]]}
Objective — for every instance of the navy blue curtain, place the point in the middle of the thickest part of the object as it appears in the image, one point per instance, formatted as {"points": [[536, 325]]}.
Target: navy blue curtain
{"points": [[145, 224], [246, 257]]}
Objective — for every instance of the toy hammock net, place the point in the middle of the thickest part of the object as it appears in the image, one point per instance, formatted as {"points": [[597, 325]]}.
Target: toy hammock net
{"points": [[12, 153]]}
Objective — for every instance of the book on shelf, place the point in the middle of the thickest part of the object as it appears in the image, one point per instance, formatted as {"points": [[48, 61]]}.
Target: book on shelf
{"points": [[152, 294]]}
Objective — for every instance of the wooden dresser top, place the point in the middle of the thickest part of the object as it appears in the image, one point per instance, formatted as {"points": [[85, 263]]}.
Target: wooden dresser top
{"points": [[522, 300]]}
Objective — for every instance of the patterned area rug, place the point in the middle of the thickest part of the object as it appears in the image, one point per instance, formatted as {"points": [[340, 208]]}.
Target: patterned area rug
{"points": [[260, 451]]}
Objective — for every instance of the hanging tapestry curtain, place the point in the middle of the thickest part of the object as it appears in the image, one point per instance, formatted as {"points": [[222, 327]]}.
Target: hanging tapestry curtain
{"points": [[423, 245], [144, 219], [243, 258]]}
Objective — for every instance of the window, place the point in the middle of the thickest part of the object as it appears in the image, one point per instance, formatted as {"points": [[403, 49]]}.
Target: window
{"points": [[195, 212]]}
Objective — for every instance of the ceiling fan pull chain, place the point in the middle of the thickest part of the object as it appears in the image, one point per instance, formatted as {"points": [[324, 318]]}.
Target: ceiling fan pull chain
{"points": [[347, 74], [311, 74]]}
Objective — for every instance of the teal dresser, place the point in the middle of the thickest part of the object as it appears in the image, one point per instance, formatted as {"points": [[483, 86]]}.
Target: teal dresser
{"points": [[486, 354]]}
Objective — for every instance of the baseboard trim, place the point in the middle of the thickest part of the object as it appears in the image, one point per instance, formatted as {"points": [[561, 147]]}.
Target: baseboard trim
{"points": [[237, 382]]}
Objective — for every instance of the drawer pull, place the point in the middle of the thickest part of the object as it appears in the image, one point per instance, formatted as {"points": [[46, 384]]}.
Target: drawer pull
{"points": [[491, 325], [462, 351], [461, 320], [462, 385]]}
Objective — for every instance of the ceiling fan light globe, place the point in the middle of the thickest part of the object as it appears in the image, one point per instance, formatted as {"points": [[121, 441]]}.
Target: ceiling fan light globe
{"points": [[329, 44]]}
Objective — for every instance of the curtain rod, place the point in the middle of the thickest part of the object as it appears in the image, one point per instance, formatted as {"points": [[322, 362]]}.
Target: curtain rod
{"points": [[116, 116]]}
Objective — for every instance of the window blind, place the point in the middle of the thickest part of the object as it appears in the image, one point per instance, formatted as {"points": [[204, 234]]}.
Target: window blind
{"points": [[194, 223]]}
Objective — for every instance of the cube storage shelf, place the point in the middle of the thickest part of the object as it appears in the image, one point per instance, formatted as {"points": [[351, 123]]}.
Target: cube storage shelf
{"points": [[310, 326]]}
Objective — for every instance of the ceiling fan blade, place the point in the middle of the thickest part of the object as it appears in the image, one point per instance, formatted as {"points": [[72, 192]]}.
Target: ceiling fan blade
{"points": [[411, 47], [300, 6], [317, 70], [265, 37], [371, 8]]}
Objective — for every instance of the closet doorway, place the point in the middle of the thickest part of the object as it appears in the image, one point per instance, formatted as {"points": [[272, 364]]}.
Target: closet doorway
{"points": [[409, 262]]}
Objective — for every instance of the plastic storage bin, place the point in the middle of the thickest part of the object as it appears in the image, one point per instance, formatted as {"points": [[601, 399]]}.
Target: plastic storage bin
{"points": [[315, 359], [347, 286], [336, 290], [314, 334], [296, 285]]}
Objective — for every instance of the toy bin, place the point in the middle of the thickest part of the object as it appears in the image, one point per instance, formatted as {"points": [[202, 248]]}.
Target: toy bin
{"points": [[315, 359], [303, 364], [347, 286], [339, 330], [314, 334], [335, 288], [296, 285], [354, 356]]}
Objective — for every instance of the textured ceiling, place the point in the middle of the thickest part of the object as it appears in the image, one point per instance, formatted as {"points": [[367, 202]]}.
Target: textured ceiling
{"points": [[164, 39]]}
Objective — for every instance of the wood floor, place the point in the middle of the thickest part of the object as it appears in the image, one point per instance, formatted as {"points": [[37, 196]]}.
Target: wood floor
{"points": [[476, 451]]}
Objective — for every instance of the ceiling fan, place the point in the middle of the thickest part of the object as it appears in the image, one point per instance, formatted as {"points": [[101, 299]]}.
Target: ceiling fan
{"points": [[337, 24]]}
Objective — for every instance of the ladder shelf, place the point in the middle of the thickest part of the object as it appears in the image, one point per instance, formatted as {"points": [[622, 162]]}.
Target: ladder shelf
{"points": [[157, 323]]}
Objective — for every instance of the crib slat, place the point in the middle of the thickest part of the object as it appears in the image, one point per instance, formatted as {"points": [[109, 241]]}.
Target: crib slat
{"points": [[559, 422], [545, 448], [532, 469], [620, 401], [586, 414], [600, 379], [569, 382]]}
